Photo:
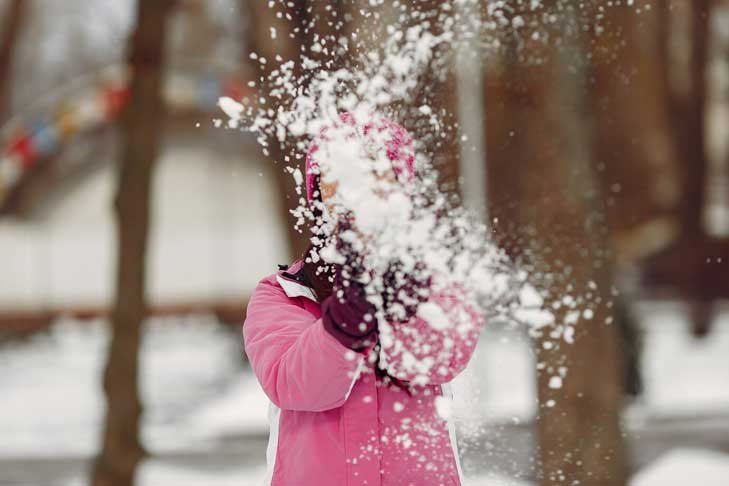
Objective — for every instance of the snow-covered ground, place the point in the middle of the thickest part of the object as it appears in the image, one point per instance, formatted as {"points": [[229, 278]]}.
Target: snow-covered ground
{"points": [[199, 395], [684, 376], [161, 474], [677, 468], [681, 467], [51, 384]]}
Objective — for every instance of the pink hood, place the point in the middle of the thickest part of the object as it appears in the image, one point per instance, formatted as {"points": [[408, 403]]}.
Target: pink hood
{"points": [[398, 144]]}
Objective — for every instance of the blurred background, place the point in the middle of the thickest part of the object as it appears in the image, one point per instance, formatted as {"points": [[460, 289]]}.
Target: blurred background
{"points": [[134, 226]]}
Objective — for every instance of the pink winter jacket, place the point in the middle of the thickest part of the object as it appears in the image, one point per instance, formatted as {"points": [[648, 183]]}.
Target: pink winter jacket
{"points": [[333, 423]]}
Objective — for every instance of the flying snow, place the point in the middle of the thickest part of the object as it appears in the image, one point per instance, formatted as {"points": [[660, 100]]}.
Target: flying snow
{"points": [[338, 94]]}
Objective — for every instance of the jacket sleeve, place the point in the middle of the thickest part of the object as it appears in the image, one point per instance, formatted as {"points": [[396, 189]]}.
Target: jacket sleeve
{"points": [[437, 344], [298, 363]]}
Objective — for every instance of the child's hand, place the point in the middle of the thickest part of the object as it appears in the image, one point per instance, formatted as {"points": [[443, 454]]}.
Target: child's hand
{"points": [[403, 292], [347, 314]]}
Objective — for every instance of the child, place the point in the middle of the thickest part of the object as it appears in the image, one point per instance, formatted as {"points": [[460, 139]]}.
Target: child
{"points": [[337, 417]]}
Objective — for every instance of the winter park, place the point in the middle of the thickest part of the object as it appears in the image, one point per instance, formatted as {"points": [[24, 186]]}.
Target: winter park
{"points": [[364, 243]]}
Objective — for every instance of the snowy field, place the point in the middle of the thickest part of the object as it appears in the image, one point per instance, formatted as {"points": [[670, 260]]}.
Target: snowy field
{"points": [[202, 401]]}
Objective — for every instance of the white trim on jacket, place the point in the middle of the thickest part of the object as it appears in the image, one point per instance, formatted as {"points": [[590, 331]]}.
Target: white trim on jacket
{"points": [[274, 419], [295, 289], [447, 390]]}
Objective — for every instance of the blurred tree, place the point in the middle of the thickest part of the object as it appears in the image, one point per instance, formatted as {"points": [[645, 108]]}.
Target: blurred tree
{"points": [[11, 23], [437, 92], [273, 32], [630, 144], [193, 32], [549, 210], [142, 124], [686, 100], [683, 38], [632, 140]]}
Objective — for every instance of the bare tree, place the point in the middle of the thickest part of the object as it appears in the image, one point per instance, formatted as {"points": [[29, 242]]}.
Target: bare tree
{"points": [[437, 90], [278, 31], [550, 211], [11, 23], [623, 64], [682, 265], [687, 104], [142, 125], [632, 140]]}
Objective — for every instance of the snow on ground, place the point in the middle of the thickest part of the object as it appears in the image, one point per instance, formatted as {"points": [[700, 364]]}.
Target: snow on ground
{"points": [[493, 480], [165, 473], [677, 468], [682, 467], [485, 392], [683, 375], [160, 473], [51, 384], [198, 394], [242, 410], [498, 385], [195, 388], [51, 400]]}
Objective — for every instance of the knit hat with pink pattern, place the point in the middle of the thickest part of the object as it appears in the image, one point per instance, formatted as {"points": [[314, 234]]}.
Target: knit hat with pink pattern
{"points": [[397, 142]]}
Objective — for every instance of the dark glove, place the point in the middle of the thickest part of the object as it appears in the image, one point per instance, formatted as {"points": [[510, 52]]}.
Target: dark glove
{"points": [[347, 314], [404, 292]]}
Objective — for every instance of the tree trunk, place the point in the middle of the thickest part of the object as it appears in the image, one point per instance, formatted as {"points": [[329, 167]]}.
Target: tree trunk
{"points": [[683, 264], [12, 20], [688, 112], [543, 189], [288, 42], [141, 125], [633, 139], [632, 143], [437, 90]]}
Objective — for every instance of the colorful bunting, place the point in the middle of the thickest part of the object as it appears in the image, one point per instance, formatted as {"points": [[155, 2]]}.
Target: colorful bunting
{"points": [[44, 136]]}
